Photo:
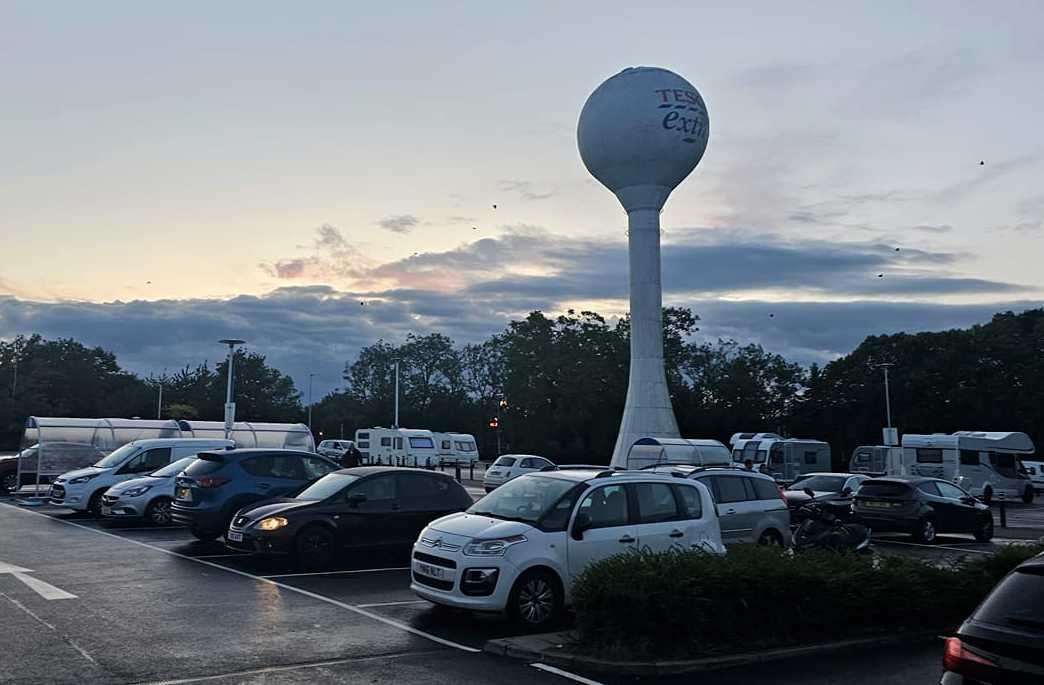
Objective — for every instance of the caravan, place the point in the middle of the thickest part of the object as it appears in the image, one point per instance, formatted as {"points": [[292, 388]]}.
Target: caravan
{"points": [[648, 452], [782, 459], [983, 463], [456, 448], [877, 460], [396, 446]]}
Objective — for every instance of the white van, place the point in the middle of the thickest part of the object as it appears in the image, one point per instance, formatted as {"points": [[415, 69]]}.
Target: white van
{"points": [[647, 452], [82, 489], [985, 464], [396, 446], [456, 448], [1035, 471], [785, 460]]}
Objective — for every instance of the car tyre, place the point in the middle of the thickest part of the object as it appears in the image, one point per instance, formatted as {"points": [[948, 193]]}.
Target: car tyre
{"points": [[984, 533], [925, 532], [204, 535], [314, 546], [1027, 496], [771, 538], [158, 511], [94, 505], [9, 483], [536, 600]]}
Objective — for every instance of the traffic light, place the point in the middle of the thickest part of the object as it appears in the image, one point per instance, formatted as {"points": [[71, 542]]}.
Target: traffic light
{"points": [[494, 423]]}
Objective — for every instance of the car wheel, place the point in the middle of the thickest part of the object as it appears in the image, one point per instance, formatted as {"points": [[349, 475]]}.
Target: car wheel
{"points": [[9, 483], [925, 531], [771, 538], [94, 504], [314, 547], [1027, 496], [158, 511], [987, 495], [984, 533], [204, 535], [536, 600]]}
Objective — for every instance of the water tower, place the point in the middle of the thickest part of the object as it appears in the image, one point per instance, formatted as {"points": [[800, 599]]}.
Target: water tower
{"points": [[640, 134]]}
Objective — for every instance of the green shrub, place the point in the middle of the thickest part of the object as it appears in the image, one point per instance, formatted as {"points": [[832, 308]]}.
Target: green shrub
{"points": [[686, 604]]}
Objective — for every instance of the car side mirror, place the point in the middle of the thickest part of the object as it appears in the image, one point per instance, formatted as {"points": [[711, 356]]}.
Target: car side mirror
{"points": [[581, 524], [810, 493], [846, 491], [355, 499], [968, 499]]}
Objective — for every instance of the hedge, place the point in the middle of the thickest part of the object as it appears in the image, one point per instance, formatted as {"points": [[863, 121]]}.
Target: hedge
{"points": [[690, 604]]}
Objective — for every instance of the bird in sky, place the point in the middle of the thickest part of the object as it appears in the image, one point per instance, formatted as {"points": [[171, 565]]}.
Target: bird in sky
{"points": [[494, 206], [474, 228], [880, 275], [981, 163]]}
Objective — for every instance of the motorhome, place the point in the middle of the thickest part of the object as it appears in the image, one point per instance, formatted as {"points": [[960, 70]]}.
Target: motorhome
{"points": [[456, 448], [647, 452], [1035, 471], [986, 464], [739, 442], [784, 459], [396, 446], [877, 460]]}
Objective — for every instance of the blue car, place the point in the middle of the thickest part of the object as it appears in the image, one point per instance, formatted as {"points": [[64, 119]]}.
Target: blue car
{"points": [[215, 486]]}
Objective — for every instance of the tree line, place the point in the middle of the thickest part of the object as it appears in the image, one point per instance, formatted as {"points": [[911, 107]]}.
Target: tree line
{"points": [[557, 385]]}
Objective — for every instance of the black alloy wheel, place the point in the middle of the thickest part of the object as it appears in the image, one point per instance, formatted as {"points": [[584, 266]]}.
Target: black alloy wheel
{"points": [[314, 547]]}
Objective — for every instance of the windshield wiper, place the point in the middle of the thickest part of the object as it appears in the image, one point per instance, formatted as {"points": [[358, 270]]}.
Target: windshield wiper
{"points": [[502, 517]]}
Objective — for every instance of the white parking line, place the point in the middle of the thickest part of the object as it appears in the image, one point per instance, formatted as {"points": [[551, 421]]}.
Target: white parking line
{"points": [[290, 588], [565, 674], [83, 652], [219, 556], [917, 544], [393, 604], [336, 573]]}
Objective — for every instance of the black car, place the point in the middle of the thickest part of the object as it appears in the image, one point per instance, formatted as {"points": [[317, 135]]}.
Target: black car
{"points": [[365, 507], [1003, 640], [922, 507], [218, 484], [831, 489]]}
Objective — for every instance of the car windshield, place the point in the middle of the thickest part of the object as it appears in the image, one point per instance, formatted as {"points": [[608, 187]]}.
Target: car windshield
{"points": [[117, 457], [819, 483], [173, 468], [328, 485], [525, 499]]}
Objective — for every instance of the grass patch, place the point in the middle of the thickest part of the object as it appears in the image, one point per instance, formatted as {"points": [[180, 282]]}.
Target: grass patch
{"points": [[690, 604]]}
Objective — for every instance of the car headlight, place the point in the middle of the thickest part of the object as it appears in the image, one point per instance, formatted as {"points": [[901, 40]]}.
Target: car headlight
{"points": [[272, 523], [138, 491], [492, 548], [82, 479]]}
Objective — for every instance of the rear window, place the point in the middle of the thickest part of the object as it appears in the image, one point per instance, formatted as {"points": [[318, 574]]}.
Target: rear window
{"points": [[1017, 601], [929, 456], [876, 488], [504, 461], [203, 466]]}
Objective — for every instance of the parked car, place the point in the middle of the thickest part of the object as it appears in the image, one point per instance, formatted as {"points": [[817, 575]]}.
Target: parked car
{"points": [[749, 504], [82, 489], [218, 484], [510, 466], [334, 449], [520, 548], [922, 507], [1035, 472], [350, 509], [148, 497], [834, 490], [9, 474], [1003, 640]]}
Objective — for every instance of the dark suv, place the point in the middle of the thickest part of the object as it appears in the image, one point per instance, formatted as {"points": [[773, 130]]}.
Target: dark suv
{"points": [[922, 507], [218, 484]]}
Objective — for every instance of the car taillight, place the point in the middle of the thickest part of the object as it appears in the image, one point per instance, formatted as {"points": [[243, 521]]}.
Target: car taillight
{"points": [[211, 481], [958, 659]]}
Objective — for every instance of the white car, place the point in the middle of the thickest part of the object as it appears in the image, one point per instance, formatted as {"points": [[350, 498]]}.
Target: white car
{"points": [[510, 466], [148, 497], [335, 449], [1035, 472], [520, 548], [82, 489]]}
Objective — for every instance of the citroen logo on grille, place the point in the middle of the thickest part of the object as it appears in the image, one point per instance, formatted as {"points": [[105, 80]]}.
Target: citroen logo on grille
{"points": [[437, 543]]}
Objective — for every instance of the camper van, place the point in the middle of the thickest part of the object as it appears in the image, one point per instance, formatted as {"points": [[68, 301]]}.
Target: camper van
{"points": [[983, 463], [456, 448], [396, 446], [877, 460], [786, 459], [652, 451]]}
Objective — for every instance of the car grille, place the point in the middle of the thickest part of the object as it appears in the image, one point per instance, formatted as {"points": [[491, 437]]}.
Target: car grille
{"points": [[440, 544], [109, 500], [434, 561], [57, 492], [240, 521], [433, 582]]}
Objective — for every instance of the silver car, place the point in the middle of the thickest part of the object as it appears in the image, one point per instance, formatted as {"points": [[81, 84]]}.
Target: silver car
{"points": [[148, 497], [750, 506]]}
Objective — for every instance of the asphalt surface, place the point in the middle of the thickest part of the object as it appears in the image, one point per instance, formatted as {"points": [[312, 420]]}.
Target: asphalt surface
{"points": [[140, 604]]}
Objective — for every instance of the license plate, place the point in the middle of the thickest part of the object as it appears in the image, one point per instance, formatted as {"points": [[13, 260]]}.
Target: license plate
{"points": [[185, 494], [878, 505], [106, 511], [430, 571], [234, 536]]}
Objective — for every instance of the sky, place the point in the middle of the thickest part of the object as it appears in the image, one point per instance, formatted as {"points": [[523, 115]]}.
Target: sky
{"points": [[313, 178]]}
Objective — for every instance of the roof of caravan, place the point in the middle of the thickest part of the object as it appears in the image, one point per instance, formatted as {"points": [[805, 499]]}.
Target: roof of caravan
{"points": [[688, 442], [992, 440]]}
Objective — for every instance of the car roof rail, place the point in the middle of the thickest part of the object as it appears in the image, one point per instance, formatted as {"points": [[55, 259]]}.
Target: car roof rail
{"points": [[668, 463]]}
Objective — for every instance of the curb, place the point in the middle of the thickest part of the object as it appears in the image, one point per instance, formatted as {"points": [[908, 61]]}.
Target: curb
{"points": [[552, 648]]}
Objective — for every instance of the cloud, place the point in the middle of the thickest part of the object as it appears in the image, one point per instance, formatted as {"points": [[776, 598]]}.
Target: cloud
{"points": [[331, 258], [401, 223], [524, 190], [933, 228]]}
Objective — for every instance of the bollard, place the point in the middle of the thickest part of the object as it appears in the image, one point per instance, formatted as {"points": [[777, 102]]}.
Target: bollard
{"points": [[471, 471], [456, 471], [1003, 511]]}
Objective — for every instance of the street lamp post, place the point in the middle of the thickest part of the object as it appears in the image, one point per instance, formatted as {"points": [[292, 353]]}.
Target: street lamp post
{"points": [[230, 407], [310, 377], [890, 437], [503, 406]]}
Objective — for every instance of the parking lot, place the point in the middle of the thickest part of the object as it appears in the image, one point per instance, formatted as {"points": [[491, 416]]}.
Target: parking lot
{"points": [[82, 600]]}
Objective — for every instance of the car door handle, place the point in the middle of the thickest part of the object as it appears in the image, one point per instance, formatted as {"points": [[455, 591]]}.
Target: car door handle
{"points": [[627, 539], [677, 534], [264, 486], [730, 511]]}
